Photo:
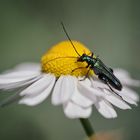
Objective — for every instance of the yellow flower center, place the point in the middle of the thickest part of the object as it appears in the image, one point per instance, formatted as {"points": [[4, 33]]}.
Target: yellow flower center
{"points": [[61, 59]]}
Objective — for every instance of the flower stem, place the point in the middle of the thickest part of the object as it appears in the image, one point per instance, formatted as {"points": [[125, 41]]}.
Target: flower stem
{"points": [[87, 127]]}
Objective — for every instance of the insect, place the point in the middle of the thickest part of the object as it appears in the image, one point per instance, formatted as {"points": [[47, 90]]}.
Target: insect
{"points": [[104, 73]]}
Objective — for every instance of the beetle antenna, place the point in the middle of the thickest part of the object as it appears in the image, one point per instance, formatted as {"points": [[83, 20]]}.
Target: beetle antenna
{"points": [[69, 38]]}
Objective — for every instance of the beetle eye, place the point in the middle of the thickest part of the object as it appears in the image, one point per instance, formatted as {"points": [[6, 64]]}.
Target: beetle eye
{"points": [[80, 59]]}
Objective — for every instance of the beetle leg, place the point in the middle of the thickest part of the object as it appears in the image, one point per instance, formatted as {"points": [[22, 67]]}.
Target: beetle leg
{"points": [[110, 87], [106, 82], [92, 54], [85, 75], [87, 65], [83, 68], [78, 68], [114, 91]]}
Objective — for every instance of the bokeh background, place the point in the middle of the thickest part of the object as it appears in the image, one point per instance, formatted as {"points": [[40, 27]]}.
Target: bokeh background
{"points": [[110, 28]]}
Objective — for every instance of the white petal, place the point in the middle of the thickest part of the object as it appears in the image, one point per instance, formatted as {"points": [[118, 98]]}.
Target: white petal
{"points": [[13, 86], [87, 91], [100, 89], [86, 81], [106, 109], [81, 100], [33, 67], [16, 74], [108, 95], [17, 77], [63, 90], [91, 92], [129, 95], [37, 98], [121, 73], [29, 66], [72, 111], [115, 100], [125, 78], [96, 83], [39, 86]]}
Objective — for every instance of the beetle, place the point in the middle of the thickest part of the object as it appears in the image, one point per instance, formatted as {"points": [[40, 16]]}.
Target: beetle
{"points": [[104, 73]]}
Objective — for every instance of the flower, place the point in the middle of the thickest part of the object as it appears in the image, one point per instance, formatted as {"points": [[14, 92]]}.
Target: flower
{"points": [[59, 75]]}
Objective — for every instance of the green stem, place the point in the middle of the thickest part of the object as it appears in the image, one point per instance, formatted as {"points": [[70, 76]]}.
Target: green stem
{"points": [[87, 127]]}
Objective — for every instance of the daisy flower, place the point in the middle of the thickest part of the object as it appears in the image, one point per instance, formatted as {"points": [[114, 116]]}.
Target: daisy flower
{"points": [[59, 75]]}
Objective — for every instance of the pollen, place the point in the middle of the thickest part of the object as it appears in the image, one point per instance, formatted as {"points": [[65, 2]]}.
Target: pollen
{"points": [[61, 59]]}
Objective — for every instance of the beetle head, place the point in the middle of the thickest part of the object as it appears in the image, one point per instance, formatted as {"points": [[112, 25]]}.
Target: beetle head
{"points": [[82, 58]]}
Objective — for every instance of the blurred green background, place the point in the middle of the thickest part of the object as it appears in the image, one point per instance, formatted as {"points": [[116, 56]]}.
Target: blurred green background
{"points": [[110, 28]]}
